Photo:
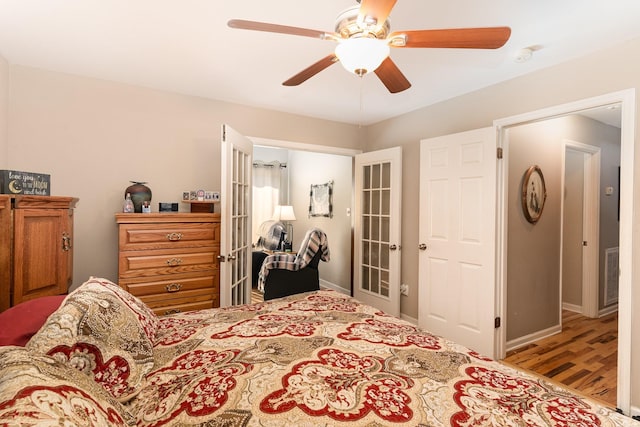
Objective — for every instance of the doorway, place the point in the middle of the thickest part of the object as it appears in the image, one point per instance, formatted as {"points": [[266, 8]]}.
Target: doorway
{"points": [[583, 223], [626, 99], [308, 164]]}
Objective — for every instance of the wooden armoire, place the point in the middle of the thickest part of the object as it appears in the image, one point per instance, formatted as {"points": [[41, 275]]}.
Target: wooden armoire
{"points": [[36, 247]]}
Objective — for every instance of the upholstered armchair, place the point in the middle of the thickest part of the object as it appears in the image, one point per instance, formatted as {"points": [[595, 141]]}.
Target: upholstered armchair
{"points": [[285, 274]]}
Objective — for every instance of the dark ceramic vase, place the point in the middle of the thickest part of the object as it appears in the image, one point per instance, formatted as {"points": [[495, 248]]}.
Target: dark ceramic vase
{"points": [[140, 193]]}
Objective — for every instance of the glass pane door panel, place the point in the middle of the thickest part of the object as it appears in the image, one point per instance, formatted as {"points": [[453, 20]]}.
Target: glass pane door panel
{"points": [[386, 175], [384, 256], [366, 227], [366, 203], [375, 281], [375, 202], [384, 229], [385, 203], [375, 228], [366, 177], [375, 254], [375, 176], [365, 278], [365, 253]]}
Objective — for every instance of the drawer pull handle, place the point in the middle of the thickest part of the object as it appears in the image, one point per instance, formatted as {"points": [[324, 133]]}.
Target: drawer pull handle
{"points": [[173, 287], [174, 261], [172, 311], [174, 237]]}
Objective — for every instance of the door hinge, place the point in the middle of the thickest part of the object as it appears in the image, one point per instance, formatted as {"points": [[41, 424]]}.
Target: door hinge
{"points": [[499, 152], [496, 322]]}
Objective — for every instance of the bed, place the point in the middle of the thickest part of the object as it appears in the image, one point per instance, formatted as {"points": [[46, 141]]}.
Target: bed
{"points": [[313, 359]]}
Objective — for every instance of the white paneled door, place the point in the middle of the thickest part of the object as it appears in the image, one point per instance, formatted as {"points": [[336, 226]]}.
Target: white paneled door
{"points": [[457, 238], [235, 223], [378, 184]]}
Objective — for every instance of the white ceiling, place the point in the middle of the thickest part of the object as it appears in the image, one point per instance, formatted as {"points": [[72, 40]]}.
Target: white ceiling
{"points": [[185, 46]]}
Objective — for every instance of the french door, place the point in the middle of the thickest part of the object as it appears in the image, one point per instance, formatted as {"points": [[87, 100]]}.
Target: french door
{"points": [[235, 224], [378, 183]]}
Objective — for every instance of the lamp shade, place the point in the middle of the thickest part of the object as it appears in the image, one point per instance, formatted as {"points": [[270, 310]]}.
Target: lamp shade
{"points": [[284, 213], [362, 55]]}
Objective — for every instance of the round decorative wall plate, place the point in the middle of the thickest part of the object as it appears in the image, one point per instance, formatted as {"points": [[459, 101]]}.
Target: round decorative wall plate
{"points": [[534, 194]]}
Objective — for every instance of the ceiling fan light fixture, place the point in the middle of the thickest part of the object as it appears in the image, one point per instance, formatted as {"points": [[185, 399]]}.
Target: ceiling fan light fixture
{"points": [[362, 55]]}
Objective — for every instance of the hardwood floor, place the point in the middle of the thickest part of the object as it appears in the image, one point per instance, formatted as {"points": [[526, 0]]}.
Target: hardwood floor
{"points": [[583, 356], [256, 296]]}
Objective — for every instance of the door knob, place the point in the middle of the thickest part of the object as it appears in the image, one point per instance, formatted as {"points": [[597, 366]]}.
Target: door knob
{"points": [[393, 247], [423, 247]]}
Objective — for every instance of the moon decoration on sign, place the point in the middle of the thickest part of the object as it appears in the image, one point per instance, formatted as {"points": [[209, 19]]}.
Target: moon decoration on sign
{"points": [[15, 187]]}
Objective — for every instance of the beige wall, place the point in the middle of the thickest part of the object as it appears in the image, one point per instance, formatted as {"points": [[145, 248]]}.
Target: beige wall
{"points": [[533, 257], [603, 72], [4, 107], [94, 136]]}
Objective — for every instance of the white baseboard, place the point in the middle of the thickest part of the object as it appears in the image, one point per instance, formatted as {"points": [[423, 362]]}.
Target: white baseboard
{"points": [[528, 339], [328, 285], [578, 309], [608, 310], [409, 319], [572, 307]]}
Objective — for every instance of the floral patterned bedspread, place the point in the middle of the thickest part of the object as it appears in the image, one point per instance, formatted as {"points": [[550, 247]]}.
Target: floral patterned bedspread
{"points": [[323, 358]]}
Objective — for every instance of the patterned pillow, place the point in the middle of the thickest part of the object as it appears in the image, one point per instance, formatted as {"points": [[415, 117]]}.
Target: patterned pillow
{"points": [[103, 332], [147, 318], [38, 390]]}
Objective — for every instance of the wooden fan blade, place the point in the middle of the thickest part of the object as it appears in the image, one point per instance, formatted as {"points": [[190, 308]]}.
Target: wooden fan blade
{"points": [[311, 71], [378, 9], [275, 28], [391, 76], [465, 38]]}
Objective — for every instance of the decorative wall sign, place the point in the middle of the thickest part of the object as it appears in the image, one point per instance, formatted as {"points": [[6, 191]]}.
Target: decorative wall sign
{"points": [[534, 194], [321, 200]]}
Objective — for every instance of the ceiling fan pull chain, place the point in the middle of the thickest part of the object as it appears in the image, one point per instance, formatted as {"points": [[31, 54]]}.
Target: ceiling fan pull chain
{"points": [[361, 101]]}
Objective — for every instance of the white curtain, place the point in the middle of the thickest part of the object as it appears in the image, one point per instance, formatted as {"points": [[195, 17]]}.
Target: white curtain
{"points": [[266, 192]]}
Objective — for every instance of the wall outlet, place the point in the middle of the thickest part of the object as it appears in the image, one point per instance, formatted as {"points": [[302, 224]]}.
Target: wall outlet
{"points": [[404, 289]]}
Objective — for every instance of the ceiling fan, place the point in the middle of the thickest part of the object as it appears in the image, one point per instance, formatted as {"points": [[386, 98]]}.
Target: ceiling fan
{"points": [[364, 38]]}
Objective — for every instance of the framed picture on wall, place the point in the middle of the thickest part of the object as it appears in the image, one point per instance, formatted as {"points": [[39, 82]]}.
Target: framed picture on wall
{"points": [[321, 200], [534, 194]]}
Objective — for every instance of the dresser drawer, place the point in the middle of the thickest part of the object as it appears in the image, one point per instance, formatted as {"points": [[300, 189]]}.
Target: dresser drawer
{"points": [[197, 300], [171, 286], [168, 236], [193, 306], [162, 262], [170, 260]]}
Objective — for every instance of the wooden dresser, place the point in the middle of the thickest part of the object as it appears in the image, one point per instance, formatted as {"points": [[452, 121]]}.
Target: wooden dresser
{"points": [[36, 247], [170, 260]]}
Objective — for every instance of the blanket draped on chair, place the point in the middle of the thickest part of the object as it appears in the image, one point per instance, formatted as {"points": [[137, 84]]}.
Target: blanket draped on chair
{"points": [[315, 240]]}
